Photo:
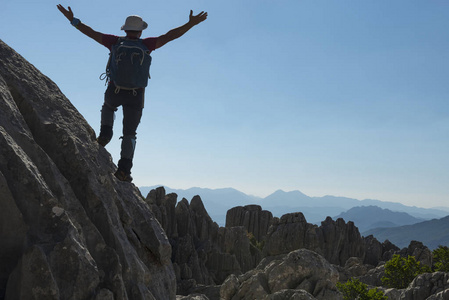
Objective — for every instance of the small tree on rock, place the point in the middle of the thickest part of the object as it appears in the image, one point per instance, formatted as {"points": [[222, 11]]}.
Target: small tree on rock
{"points": [[441, 258], [400, 271], [354, 289]]}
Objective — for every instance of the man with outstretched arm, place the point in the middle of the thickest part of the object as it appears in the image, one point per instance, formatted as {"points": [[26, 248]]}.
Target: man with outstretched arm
{"points": [[130, 98]]}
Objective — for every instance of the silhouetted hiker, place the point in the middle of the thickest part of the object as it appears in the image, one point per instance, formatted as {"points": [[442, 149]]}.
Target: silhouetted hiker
{"points": [[127, 73]]}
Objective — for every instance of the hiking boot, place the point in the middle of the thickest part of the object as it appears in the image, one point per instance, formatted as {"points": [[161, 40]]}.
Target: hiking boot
{"points": [[105, 135], [103, 141], [122, 176]]}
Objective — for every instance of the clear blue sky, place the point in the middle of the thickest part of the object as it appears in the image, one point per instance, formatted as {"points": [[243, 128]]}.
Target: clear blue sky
{"points": [[348, 98]]}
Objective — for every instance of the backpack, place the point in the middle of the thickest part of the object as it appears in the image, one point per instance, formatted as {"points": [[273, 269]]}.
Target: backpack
{"points": [[129, 64]]}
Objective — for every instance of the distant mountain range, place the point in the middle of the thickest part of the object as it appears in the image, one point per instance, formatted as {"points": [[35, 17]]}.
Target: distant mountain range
{"points": [[431, 233], [315, 209], [370, 217]]}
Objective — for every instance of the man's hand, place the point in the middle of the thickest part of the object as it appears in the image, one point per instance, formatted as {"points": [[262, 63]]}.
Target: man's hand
{"points": [[97, 36], [67, 13], [179, 31], [195, 20]]}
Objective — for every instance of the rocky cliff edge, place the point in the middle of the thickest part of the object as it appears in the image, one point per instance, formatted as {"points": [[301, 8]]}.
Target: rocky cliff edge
{"points": [[68, 228]]}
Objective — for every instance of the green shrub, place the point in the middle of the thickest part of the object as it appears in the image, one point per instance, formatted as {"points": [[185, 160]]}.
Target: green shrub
{"points": [[441, 258], [400, 271], [354, 289]]}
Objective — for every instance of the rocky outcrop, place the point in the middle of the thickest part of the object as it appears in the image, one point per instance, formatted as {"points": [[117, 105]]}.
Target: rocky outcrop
{"points": [[203, 253], [69, 229], [337, 241], [427, 286], [297, 255], [373, 276], [419, 251], [192, 297], [301, 273], [252, 218], [376, 251]]}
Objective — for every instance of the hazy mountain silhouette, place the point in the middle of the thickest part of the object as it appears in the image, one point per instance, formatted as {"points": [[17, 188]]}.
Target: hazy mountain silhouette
{"points": [[370, 217], [431, 233], [315, 209]]}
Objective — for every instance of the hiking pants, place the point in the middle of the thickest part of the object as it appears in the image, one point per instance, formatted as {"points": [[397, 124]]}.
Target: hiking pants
{"points": [[132, 103]]}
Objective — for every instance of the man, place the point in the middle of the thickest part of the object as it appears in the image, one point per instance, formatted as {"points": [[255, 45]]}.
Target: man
{"points": [[131, 100]]}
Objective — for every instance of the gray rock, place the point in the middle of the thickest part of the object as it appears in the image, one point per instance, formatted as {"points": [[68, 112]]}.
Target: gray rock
{"points": [[341, 241], [419, 251], [210, 291], [291, 232], [300, 270], [235, 240], [72, 230], [393, 294], [230, 287], [192, 235], [337, 241], [203, 253], [373, 249], [428, 285], [252, 218], [374, 276], [388, 250], [291, 295], [192, 297], [354, 267]]}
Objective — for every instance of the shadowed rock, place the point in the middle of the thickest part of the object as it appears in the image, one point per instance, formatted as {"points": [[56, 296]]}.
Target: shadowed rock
{"points": [[69, 229], [252, 218], [337, 241], [203, 253]]}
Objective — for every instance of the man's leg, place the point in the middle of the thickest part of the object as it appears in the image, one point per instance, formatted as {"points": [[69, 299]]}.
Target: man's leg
{"points": [[107, 118], [132, 113]]}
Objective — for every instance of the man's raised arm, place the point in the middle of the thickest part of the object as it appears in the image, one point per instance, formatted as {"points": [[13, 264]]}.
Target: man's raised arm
{"points": [[177, 32], [97, 36]]}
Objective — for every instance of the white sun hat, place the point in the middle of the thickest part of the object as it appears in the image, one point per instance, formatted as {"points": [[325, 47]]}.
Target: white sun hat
{"points": [[134, 23]]}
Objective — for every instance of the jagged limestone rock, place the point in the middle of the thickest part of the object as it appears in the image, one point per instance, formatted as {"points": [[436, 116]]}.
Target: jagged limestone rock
{"points": [[336, 240], [72, 230], [252, 218], [419, 251], [303, 272], [203, 253], [427, 286]]}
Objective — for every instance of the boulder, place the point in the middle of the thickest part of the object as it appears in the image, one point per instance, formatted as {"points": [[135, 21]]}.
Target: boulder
{"points": [[301, 272], [428, 285], [71, 230], [291, 295], [374, 276]]}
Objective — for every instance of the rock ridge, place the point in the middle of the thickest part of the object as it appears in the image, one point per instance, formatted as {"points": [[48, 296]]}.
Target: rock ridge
{"points": [[69, 229]]}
